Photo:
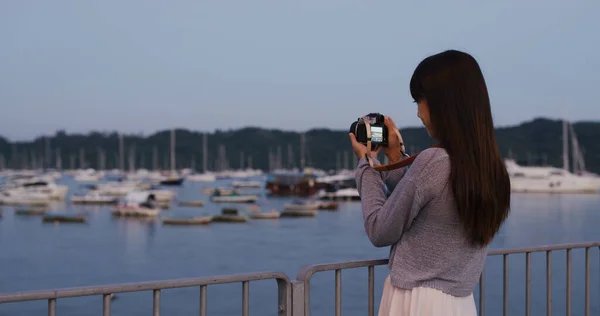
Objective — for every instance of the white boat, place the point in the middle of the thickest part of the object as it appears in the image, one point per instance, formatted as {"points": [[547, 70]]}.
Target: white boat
{"points": [[299, 205], [93, 197], [162, 195], [24, 198], [117, 188], [246, 184], [348, 194], [49, 189], [234, 199], [239, 174], [526, 179], [201, 177], [137, 204], [546, 179], [88, 175]]}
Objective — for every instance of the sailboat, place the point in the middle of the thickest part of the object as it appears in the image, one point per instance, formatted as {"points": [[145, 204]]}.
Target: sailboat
{"points": [[205, 176], [172, 178], [538, 179]]}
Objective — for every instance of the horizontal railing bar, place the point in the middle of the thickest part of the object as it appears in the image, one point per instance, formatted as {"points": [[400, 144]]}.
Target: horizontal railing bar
{"points": [[137, 287], [508, 251], [307, 271]]}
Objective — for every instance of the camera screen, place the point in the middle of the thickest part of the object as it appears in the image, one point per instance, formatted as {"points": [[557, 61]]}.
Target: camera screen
{"points": [[376, 134]]}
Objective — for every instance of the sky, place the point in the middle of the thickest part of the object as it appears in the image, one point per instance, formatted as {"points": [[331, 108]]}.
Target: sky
{"points": [[148, 65]]}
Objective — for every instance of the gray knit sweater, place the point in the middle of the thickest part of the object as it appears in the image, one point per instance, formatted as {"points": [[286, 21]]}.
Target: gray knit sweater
{"points": [[419, 220]]}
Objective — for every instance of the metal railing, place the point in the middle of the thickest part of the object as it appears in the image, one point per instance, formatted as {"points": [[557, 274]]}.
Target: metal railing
{"points": [[294, 296], [283, 285], [548, 250], [301, 287]]}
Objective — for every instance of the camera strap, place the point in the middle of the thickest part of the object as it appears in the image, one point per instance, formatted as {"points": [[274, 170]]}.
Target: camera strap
{"points": [[400, 164], [368, 130]]}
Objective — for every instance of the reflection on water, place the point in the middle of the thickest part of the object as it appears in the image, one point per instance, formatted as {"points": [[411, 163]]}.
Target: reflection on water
{"points": [[116, 250]]}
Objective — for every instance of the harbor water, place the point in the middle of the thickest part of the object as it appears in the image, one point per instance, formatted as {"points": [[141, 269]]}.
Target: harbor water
{"points": [[107, 250]]}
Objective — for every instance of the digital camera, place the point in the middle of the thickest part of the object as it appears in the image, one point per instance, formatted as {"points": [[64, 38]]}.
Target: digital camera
{"points": [[379, 132]]}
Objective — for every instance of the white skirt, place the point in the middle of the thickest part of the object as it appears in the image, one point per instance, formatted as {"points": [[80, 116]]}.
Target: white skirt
{"points": [[423, 301]]}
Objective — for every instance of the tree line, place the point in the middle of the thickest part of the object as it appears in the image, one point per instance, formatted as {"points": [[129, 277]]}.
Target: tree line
{"points": [[537, 142]]}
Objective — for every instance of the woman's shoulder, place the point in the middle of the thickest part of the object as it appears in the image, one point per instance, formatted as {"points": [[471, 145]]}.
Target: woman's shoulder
{"points": [[430, 157], [431, 170]]}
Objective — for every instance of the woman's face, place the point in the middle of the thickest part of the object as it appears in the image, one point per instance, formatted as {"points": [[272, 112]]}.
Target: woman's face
{"points": [[423, 114]]}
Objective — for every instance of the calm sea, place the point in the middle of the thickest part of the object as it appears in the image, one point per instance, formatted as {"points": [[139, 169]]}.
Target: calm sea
{"points": [[36, 255]]}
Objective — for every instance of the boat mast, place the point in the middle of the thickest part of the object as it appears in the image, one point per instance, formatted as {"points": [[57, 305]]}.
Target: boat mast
{"points": [[173, 150], [302, 151], [155, 158], [58, 159], [47, 158], [132, 158], [82, 164], [204, 153], [565, 146], [578, 161], [290, 157], [121, 153]]}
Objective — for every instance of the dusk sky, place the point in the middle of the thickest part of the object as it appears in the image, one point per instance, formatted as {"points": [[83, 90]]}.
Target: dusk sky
{"points": [[143, 66]]}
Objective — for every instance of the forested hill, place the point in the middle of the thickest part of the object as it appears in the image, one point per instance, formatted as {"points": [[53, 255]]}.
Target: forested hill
{"points": [[535, 142]]}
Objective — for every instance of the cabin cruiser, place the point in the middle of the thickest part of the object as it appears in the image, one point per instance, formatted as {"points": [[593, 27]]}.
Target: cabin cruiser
{"points": [[93, 197], [546, 179], [137, 204], [38, 186], [534, 179]]}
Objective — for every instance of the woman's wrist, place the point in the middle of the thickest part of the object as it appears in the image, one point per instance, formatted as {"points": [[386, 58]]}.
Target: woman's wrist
{"points": [[394, 157]]}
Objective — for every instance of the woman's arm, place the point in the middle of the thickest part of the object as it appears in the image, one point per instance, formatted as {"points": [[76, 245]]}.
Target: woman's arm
{"points": [[386, 220], [391, 178]]}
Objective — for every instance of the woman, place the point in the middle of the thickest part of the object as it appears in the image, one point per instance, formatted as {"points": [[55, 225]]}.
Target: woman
{"points": [[445, 209]]}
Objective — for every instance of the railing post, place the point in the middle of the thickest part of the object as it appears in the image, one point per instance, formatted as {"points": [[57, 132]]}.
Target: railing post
{"points": [[284, 297], [297, 298]]}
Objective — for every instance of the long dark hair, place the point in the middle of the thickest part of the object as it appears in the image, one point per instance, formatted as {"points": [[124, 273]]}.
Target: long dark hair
{"points": [[461, 120]]}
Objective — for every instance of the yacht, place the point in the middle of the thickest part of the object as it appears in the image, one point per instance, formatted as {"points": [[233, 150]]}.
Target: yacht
{"points": [[546, 179], [526, 179]]}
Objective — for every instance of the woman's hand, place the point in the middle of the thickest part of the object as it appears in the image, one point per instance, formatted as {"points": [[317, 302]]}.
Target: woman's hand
{"points": [[361, 150], [395, 142]]}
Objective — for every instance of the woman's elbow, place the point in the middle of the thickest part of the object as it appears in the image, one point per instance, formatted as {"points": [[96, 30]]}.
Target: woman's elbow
{"points": [[379, 242]]}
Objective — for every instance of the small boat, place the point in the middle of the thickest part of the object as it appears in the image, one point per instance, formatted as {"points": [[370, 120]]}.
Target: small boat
{"points": [[63, 218], [31, 211], [161, 195], [196, 203], [205, 220], [299, 213], [229, 219], [266, 215], [138, 204], [246, 184], [220, 191], [172, 181], [234, 199], [301, 205], [331, 206], [230, 211], [94, 198]]}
